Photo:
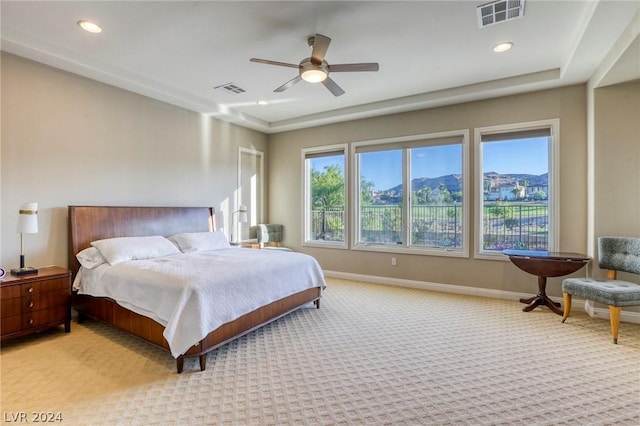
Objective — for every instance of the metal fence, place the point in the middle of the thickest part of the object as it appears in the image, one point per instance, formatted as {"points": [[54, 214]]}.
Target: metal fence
{"points": [[327, 225], [523, 226], [508, 225]]}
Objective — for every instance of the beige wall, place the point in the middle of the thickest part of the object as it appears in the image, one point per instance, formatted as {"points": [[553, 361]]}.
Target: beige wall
{"points": [[617, 162], [568, 104], [70, 140]]}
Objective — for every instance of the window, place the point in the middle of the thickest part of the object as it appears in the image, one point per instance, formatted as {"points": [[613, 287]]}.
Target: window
{"points": [[325, 196], [411, 194], [517, 192]]}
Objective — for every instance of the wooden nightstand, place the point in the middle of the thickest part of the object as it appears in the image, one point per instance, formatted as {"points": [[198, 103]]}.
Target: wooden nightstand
{"points": [[33, 303]]}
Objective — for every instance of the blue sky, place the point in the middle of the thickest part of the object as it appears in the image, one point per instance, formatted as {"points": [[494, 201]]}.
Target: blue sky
{"points": [[385, 168], [526, 156]]}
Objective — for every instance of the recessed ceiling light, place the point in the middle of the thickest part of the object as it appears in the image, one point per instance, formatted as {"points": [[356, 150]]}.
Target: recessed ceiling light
{"points": [[90, 27], [502, 47], [263, 103]]}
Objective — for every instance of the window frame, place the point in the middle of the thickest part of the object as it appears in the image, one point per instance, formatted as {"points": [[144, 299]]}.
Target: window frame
{"points": [[307, 193], [553, 181], [405, 142]]}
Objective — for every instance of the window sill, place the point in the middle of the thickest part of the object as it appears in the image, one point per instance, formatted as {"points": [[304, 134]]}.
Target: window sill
{"points": [[382, 248], [325, 244], [491, 256]]}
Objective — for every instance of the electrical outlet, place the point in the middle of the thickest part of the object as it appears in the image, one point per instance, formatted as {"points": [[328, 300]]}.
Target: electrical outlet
{"points": [[393, 261]]}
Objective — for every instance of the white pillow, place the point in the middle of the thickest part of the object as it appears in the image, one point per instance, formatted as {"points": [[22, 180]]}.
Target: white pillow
{"points": [[123, 249], [196, 241], [90, 258]]}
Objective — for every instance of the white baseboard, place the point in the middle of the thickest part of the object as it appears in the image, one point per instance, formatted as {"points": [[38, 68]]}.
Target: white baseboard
{"points": [[603, 313], [632, 317]]}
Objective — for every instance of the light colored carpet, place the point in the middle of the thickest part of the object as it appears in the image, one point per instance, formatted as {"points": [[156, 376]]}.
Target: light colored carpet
{"points": [[371, 355]]}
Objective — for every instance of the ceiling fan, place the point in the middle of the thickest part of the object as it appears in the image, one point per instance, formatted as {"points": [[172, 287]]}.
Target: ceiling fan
{"points": [[316, 69]]}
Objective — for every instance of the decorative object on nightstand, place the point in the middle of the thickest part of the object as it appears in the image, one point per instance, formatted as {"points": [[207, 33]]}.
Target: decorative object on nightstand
{"points": [[27, 224], [242, 218], [35, 302]]}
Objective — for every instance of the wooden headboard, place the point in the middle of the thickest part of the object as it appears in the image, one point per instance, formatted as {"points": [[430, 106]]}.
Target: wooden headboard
{"points": [[91, 223]]}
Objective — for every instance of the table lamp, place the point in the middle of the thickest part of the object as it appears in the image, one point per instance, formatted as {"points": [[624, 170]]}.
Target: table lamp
{"points": [[27, 224]]}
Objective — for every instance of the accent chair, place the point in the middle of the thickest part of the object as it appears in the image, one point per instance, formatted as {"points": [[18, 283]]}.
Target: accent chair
{"points": [[614, 254], [269, 236]]}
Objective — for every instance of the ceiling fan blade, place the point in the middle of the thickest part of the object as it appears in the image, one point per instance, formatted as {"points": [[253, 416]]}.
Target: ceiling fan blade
{"points": [[333, 87], [320, 46], [365, 66], [288, 84], [268, 62]]}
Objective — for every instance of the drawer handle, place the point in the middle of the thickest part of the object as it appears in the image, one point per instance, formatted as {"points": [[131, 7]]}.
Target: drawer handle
{"points": [[31, 304], [30, 289], [30, 321]]}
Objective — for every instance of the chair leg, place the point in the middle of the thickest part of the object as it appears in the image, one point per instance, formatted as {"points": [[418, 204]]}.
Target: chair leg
{"points": [[566, 297], [614, 318]]}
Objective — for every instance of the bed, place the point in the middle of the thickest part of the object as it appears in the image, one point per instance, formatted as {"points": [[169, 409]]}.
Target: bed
{"points": [[91, 224]]}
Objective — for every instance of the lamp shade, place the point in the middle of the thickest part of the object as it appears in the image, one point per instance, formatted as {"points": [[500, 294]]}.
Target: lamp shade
{"points": [[28, 218]]}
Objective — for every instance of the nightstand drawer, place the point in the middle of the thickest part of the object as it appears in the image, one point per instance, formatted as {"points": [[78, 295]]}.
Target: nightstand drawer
{"points": [[10, 307], [44, 300], [10, 292], [44, 316], [45, 286], [10, 324]]}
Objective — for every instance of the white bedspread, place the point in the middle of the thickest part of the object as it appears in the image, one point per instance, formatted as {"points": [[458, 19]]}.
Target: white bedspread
{"points": [[192, 294]]}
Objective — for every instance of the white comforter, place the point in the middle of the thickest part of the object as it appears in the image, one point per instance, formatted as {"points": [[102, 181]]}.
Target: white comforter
{"points": [[192, 294]]}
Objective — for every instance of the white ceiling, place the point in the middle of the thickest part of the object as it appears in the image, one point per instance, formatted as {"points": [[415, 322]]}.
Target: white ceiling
{"points": [[430, 52]]}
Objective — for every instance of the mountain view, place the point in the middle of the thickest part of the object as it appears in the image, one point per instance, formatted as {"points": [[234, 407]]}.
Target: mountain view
{"points": [[453, 183]]}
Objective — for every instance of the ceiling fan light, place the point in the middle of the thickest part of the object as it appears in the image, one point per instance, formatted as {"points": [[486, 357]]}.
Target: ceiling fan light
{"points": [[313, 75]]}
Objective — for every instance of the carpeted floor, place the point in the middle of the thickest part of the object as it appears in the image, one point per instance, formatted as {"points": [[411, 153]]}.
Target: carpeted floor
{"points": [[371, 355]]}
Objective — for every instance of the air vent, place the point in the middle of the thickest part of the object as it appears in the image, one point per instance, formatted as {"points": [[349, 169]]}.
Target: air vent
{"points": [[499, 11], [230, 88]]}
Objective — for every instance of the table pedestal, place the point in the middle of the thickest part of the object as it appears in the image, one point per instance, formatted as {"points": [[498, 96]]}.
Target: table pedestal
{"points": [[541, 299]]}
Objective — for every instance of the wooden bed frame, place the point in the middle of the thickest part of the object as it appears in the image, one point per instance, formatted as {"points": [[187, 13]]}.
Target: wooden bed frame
{"points": [[91, 223]]}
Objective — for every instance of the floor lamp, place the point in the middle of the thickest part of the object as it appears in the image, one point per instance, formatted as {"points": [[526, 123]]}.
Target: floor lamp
{"points": [[27, 224], [242, 218]]}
